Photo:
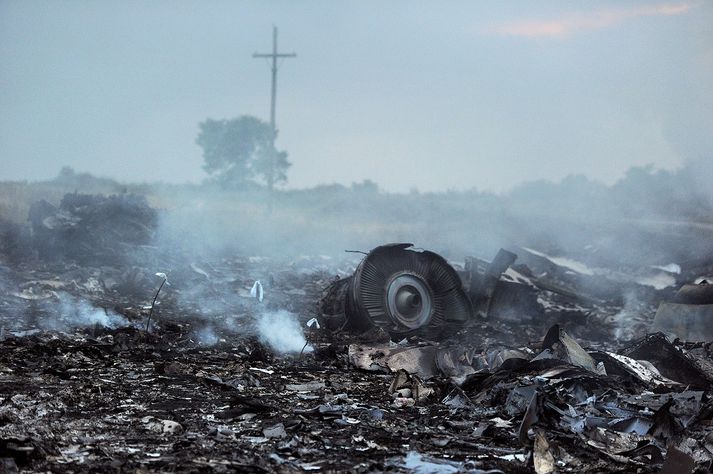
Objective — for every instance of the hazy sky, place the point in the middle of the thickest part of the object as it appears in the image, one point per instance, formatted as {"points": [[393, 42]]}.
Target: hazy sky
{"points": [[433, 95]]}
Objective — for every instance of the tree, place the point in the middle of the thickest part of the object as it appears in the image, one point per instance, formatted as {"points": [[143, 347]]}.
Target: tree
{"points": [[239, 151]]}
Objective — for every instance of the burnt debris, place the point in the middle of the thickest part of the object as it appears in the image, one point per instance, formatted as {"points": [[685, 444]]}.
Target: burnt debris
{"points": [[529, 362], [401, 290], [689, 315], [90, 228]]}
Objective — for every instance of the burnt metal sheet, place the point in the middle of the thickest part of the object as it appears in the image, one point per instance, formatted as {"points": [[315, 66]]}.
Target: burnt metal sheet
{"points": [[690, 322]]}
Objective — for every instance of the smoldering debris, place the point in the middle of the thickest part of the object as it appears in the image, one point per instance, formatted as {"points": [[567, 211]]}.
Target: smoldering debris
{"points": [[206, 336], [548, 363], [92, 228], [402, 291], [409, 292], [281, 331]]}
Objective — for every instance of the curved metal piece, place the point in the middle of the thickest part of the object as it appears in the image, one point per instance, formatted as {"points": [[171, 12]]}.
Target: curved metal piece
{"points": [[408, 292]]}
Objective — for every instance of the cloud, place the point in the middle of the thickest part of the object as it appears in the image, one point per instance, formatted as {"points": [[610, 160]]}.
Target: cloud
{"points": [[571, 24]]}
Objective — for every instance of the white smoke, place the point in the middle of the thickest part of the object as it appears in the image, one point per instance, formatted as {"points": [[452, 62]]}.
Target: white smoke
{"points": [[627, 322], [207, 336], [76, 313], [281, 331]]}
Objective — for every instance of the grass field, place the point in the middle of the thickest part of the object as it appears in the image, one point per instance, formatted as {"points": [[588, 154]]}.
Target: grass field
{"points": [[575, 217]]}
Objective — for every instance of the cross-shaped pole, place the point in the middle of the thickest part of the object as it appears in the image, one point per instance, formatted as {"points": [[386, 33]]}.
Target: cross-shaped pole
{"points": [[274, 56]]}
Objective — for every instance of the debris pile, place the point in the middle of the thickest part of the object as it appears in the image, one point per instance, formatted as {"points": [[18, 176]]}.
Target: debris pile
{"points": [[119, 399], [397, 362], [409, 292], [92, 228]]}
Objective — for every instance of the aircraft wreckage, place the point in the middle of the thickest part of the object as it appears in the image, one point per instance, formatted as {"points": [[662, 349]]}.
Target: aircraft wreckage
{"points": [[525, 363], [414, 292]]}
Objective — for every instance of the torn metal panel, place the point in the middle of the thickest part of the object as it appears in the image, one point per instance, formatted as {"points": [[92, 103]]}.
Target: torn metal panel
{"points": [[557, 344], [665, 425], [638, 425], [482, 283], [689, 315], [498, 295], [532, 416], [456, 361], [579, 282], [406, 385], [426, 361], [670, 361], [512, 301], [690, 322], [564, 277], [621, 365], [420, 360]]}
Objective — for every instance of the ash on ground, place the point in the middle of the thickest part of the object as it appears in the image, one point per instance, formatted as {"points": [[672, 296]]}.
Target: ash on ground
{"points": [[564, 371]]}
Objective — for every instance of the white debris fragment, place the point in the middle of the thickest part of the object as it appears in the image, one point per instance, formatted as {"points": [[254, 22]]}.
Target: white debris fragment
{"points": [[313, 322], [670, 268], [640, 369], [513, 457], [568, 263], [256, 291], [401, 402], [417, 463], [275, 431], [199, 271], [403, 393], [305, 387], [163, 276], [161, 426], [171, 427], [264, 371]]}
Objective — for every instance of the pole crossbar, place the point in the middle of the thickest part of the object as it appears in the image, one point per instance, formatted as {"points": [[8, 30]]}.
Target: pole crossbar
{"points": [[273, 99]]}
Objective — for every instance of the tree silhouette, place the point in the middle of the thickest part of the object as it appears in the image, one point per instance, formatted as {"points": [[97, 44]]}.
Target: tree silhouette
{"points": [[238, 152]]}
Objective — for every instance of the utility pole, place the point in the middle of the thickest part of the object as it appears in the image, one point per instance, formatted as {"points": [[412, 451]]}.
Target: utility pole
{"points": [[273, 152]]}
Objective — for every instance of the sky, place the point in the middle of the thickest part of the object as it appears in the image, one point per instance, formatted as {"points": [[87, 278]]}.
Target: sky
{"points": [[432, 95]]}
